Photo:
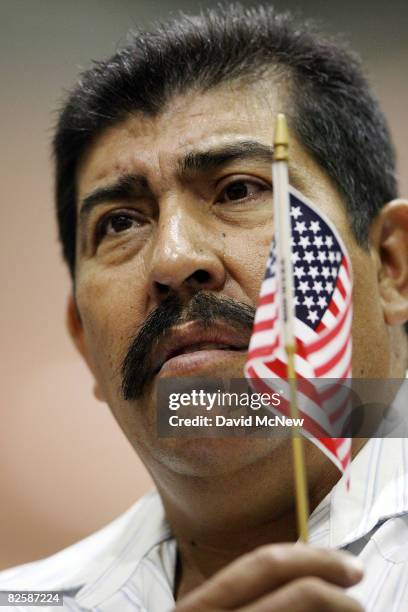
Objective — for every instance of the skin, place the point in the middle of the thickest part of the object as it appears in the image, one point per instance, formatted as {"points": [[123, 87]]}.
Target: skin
{"points": [[217, 493]]}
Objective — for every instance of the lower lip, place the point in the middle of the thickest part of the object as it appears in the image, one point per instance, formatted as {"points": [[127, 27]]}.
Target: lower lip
{"points": [[187, 363]]}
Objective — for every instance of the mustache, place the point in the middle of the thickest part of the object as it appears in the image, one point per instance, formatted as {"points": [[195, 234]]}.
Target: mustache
{"points": [[203, 308]]}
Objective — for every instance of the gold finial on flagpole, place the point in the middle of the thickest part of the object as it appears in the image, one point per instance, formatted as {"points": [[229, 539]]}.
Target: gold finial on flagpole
{"points": [[281, 140]]}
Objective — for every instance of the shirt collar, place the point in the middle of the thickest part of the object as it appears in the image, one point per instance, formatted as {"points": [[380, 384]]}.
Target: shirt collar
{"points": [[378, 488], [146, 529]]}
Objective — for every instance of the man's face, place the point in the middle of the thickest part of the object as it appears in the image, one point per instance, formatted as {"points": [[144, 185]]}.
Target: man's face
{"points": [[160, 224]]}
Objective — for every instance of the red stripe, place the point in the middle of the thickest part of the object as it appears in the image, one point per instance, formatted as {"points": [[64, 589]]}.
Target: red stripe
{"points": [[269, 298], [320, 328], [328, 365], [278, 369], [332, 444], [345, 265], [345, 461], [265, 325], [316, 345], [341, 288], [333, 308], [263, 351]]}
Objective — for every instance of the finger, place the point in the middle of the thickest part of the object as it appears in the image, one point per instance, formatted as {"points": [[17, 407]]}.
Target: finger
{"points": [[269, 567], [306, 595]]}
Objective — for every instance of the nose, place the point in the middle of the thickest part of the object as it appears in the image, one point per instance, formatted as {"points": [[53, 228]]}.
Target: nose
{"points": [[186, 256]]}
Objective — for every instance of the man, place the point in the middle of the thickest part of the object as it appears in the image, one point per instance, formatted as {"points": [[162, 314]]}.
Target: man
{"points": [[163, 169]]}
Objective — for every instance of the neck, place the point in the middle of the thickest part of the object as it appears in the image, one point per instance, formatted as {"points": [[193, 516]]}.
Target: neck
{"points": [[219, 517]]}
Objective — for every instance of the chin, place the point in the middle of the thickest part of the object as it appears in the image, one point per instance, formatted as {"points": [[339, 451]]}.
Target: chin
{"points": [[205, 457]]}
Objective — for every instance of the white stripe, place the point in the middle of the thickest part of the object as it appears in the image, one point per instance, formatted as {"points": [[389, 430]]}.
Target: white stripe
{"points": [[269, 285], [339, 300], [267, 311], [337, 370], [329, 320], [262, 338], [345, 279], [304, 332]]}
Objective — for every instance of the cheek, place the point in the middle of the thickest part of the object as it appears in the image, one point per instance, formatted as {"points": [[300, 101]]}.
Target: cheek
{"points": [[245, 258], [370, 339], [112, 307]]}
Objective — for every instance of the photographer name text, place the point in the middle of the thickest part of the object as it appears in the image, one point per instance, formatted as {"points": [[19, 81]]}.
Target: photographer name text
{"points": [[242, 421]]}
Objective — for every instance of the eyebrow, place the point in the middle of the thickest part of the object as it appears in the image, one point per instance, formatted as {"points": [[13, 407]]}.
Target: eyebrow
{"points": [[125, 188], [213, 159], [130, 186]]}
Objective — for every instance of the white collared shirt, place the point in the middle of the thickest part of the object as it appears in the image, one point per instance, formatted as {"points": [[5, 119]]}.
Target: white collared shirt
{"points": [[129, 565]]}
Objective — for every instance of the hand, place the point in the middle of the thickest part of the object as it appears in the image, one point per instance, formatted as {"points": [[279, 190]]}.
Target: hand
{"points": [[280, 578]]}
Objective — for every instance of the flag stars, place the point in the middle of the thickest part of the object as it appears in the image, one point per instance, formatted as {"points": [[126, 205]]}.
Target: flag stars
{"points": [[318, 241], [300, 227], [295, 212], [318, 287], [308, 301], [304, 286], [314, 226], [313, 272], [316, 258], [299, 272], [313, 316], [304, 241], [325, 272], [309, 257]]}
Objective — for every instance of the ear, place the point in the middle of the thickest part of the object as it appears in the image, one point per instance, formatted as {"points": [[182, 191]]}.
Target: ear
{"points": [[76, 331], [389, 234]]}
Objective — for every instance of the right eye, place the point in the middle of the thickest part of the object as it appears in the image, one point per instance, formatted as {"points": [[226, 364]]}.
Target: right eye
{"points": [[116, 223]]}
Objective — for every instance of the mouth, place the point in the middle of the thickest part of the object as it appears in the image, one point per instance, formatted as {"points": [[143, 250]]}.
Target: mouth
{"points": [[189, 348]]}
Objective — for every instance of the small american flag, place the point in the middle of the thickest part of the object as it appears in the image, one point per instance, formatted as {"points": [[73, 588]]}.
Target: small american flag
{"points": [[322, 329]]}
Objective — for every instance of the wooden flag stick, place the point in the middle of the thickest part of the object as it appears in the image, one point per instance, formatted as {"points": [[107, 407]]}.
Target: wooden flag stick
{"points": [[283, 241]]}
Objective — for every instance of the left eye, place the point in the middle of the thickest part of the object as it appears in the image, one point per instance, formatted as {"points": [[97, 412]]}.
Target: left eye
{"points": [[240, 190], [115, 223]]}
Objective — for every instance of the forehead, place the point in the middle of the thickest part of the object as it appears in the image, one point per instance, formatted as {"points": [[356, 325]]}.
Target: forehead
{"points": [[189, 122]]}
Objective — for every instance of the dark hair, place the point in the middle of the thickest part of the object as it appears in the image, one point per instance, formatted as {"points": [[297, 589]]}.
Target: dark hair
{"points": [[332, 110]]}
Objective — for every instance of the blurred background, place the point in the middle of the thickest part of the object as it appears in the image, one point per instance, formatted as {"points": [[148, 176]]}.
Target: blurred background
{"points": [[65, 467]]}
